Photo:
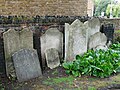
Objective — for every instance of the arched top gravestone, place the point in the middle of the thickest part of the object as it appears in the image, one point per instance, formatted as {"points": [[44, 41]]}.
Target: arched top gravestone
{"points": [[97, 40], [52, 38], [75, 39], [14, 41], [93, 26]]}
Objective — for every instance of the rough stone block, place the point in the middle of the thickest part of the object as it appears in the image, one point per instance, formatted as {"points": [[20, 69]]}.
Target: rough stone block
{"points": [[52, 58]]}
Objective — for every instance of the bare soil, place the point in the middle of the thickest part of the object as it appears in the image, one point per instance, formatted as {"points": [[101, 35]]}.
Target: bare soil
{"points": [[56, 79]]}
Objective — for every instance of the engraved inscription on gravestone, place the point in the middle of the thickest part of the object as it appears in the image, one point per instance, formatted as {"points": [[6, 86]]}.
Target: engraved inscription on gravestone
{"points": [[27, 65]]}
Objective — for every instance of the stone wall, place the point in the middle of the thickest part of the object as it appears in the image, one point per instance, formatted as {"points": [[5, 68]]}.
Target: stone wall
{"points": [[43, 7], [115, 22]]}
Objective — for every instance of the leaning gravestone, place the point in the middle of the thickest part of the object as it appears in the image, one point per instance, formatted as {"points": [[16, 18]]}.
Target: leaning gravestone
{"points": [[52, 58], [26, 64], [108, 30], [51, 39], [93, 26], [98, 39], [75, 39], [14, 41]]}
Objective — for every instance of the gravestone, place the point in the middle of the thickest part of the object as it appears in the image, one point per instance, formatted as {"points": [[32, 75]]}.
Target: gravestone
{"points": [[51, 39], [67, 26], [98, 39], [75, 39], [108, 30], [102, 47], [52, 58], [93, 26], [26, 64], [14, 41]]}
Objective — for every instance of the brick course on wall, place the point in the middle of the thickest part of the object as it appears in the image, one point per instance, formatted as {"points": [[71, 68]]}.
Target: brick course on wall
{"points": [[43, 7]]}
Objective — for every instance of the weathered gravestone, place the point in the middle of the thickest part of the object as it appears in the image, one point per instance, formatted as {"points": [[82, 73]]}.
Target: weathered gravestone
{"points": [[108, 30], [26, 64], [51, 39], [52, 58], [14, 41], [76, 39], [102, 47], [98, 40], [93, 26]]}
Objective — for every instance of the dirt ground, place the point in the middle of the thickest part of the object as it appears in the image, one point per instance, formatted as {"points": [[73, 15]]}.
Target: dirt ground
{"points": [[56, 79]]}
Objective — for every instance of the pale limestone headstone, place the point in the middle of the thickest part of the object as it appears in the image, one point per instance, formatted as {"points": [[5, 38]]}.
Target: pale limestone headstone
{"points": [[76, 39], [102, 47], [14, 41], [27, 65], [52, 38], [52, 58], [93, 26], [98, 39]]}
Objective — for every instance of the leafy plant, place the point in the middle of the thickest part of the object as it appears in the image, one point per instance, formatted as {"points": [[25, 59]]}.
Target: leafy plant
{"points": [[91, 88], [115, 46], [1, 87], [98, 63]]}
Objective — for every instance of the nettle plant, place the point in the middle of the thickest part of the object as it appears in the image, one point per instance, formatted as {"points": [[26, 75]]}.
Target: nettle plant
{"points": [[97, 63]]}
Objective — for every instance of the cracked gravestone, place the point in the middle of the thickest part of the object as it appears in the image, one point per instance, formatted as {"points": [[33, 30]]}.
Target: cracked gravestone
{"points": [[27, 65], [97, 41], [52, 58], [76, 39], [52, 38], [14, 41]]}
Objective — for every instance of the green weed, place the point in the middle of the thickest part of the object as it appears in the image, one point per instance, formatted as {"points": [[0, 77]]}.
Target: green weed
{"points": [[97, 63], [54, 81]]}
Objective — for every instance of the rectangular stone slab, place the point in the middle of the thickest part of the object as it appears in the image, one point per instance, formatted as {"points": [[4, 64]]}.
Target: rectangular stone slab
{"points": [[27, 65]]}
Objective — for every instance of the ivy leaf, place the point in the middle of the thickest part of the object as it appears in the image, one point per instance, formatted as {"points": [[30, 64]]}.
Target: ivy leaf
{"points": [[68, 71], [78, 57], [65, 65], [76, 73]]}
